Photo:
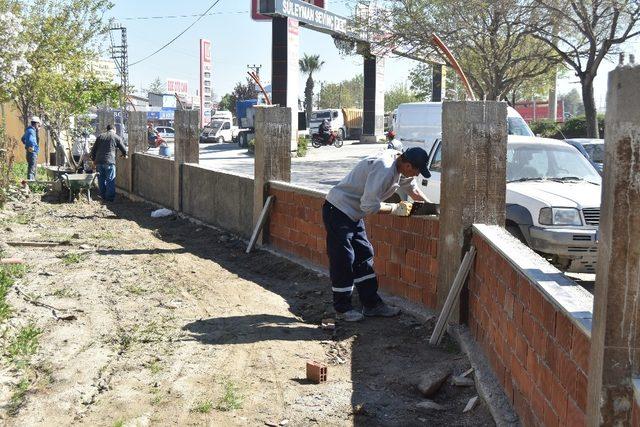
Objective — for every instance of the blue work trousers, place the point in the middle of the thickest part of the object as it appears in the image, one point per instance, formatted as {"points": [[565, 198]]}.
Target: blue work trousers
{"points": [[350, 260], [32, 164], [107, 181]]}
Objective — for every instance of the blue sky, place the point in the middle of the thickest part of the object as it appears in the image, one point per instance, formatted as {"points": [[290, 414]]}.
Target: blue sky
{"points": [[237, 41]]}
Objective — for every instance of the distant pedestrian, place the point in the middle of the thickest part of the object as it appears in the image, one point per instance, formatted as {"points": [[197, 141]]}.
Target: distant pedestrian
{"points": [[103, 155], [81, 151], [152, 135], [31, 141]]}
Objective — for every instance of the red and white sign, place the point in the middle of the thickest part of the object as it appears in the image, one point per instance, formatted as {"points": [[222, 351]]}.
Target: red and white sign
{"points": [[257, 16], [181, 87], [205, 82]]}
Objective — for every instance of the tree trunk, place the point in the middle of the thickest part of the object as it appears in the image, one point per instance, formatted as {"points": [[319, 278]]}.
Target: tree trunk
{"points": [[589, 106], [308, 98]]}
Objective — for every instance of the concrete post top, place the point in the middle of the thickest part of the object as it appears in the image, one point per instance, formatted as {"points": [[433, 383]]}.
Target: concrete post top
{"points": [[623, 100]]}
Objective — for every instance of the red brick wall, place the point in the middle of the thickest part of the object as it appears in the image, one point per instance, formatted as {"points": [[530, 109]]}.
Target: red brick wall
{"points": [[635, 412], [538, 354], [406, 249]]}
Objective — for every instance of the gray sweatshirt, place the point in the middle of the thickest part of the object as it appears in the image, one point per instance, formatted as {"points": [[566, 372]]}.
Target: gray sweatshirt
{"points": [[371, 182]]}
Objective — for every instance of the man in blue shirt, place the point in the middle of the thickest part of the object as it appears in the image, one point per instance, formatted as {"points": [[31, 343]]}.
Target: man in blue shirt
{"points": [[30, 140], [363, 192]]}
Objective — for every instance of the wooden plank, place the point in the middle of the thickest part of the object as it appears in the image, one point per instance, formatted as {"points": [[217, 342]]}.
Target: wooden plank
{"points": [[456, 287], [261, 221]]}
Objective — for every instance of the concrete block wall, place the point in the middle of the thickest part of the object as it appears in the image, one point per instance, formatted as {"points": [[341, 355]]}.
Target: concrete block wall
{"points": [[123, 173], [405, 248], [534, 326], [153, 177], [218, 198]]}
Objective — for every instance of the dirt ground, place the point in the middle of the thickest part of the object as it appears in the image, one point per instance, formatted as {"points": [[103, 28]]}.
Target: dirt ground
{"points": [[171, 323]]}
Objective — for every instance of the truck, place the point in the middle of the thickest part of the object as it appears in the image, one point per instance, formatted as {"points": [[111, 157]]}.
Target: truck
{"points": [[220, 129], [346, 121], [245, 114]]}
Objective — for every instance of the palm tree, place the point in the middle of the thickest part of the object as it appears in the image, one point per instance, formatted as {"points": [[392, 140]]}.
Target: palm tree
{"points": [[309, 64]]}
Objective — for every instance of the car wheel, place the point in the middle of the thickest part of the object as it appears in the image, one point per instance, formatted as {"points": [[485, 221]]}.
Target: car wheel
{"points": [[515, 232], [341, 134]]}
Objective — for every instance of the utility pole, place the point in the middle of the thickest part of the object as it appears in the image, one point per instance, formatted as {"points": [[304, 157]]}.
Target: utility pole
{"points": [[120, 57], [255, 68]]}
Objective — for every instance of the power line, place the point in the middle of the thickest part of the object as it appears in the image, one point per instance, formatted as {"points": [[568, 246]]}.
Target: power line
{"points": [[176, 37], [132, 18]]}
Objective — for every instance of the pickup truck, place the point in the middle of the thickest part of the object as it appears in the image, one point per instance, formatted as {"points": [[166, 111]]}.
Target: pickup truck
{"points": [[219, 130], [553, 199]]}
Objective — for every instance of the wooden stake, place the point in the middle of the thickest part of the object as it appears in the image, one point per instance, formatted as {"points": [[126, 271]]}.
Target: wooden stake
{"points": [[456, 287], [261, 221]]}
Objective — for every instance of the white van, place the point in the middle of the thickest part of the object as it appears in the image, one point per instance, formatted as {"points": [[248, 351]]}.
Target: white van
{"points": [[419, 124]]}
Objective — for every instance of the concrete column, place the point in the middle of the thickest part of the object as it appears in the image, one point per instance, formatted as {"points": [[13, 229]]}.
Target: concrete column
{"points": [[137, 140], [285, 72], [272, 154], [186, 148], [373, 102], [474, 153], [438, 82], [105, 117], [615, 335]]}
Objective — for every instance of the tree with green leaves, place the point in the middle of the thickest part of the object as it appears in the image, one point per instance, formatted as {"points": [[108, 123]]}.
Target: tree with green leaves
{"points": [[347, 93], [156, 86], [309, 64], [421, 83], [398, 94], [492, 41], [60, 85], [241, 92], [13, 55], [582, 33], [573, 102]]}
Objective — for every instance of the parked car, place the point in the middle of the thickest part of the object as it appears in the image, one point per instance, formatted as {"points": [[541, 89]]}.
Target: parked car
{"points": [[591, 148], [167, 133], [553, 200]]}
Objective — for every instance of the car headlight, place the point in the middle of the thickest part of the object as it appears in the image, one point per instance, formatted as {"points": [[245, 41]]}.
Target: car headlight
{"points": [[559, 216]]}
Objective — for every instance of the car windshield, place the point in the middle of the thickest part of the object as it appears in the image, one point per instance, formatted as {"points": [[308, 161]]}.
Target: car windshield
{"points": [[517, 126], [595, 152], [321, 115], [215, 125], [548, 162]]}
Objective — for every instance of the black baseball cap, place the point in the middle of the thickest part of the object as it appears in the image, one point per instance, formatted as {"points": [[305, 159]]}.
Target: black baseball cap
{"points": [[419, 159]]}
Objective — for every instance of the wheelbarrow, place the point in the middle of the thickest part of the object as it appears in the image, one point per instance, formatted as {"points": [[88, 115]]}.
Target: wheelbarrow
{"points": [[76, 182]]}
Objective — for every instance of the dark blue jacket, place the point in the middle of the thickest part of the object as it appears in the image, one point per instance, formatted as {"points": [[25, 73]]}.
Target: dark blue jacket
{"points": [[30, 139]]}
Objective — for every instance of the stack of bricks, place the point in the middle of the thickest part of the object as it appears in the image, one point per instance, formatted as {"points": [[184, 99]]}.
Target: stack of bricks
{"points": [[406, 249], [538, 354]]}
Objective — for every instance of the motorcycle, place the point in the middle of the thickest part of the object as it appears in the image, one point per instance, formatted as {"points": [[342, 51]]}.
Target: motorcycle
{"points": [[334, 139]]}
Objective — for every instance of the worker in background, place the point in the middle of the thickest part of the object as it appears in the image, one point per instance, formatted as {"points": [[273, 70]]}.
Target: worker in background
{"points": [[363, 192], [103, 155], [31, 141]]}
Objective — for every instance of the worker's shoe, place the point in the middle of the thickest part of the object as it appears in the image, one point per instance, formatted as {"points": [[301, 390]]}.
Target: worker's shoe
{"points": [[350, 316], [381, 310]]}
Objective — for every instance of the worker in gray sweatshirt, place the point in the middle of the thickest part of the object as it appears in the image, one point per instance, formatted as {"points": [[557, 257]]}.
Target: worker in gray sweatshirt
{"points": [[363, 192]]}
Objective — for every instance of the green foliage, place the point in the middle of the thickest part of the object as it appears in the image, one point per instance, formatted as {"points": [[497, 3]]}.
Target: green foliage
{"points": [[227, 103], [309, 64], [19, 172], [303, 145], [251, 145], [7, 149], [574, 127], [73, 258], [156, 86], [25, 344], [18, 396], [546, 128], [231, 399], [203, 407], [347, 94], [398, 94], [573, 102]]}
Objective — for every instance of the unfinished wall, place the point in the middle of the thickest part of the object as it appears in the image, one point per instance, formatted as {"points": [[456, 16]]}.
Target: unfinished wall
{"points": [[154, 178], [534, 325], [405, 248], [123, 172], [218, 198]]}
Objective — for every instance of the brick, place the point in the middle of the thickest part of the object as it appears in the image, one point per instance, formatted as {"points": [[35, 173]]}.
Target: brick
{"points": [[413, 293], [537, 403], [524, 287], [536, 304], [566, 371], [564, 331], [580, 393], [517, 314], [521, 349], [550, 353], [580, 348], [408, 274], [575, 416], [539, 338], [316, 372], [508, 304], [550, 417], [559, 400], [548, 317], [521, 403], [393, 269], [528, 326]]}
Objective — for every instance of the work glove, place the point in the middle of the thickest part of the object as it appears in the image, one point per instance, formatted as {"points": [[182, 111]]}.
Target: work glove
{"points": [[401, 209]]}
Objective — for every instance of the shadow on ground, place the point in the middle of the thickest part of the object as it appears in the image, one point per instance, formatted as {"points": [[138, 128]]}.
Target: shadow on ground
{"points": [[387, 355]]}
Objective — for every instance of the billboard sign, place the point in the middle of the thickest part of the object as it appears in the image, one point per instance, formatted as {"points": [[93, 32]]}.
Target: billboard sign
{"points": [[205, 82], [314, 16], [257, 16], [181, 87]]}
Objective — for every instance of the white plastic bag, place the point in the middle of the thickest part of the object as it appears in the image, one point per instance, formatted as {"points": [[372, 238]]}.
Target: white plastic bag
{"points": [[161, 213]]}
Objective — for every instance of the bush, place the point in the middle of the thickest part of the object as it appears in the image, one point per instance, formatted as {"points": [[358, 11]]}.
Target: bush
{"points": [[7, 148], [546, 128], [252, 145], [575, 127], [303, 145]]}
